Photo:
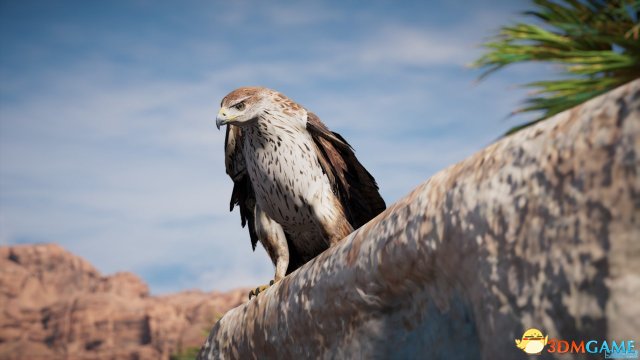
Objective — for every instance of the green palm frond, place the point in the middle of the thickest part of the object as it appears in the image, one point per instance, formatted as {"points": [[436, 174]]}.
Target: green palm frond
{"points": [[596, 43]]}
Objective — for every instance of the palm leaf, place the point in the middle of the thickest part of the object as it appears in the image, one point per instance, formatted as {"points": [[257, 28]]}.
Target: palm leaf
{"points": [[596, 42]]}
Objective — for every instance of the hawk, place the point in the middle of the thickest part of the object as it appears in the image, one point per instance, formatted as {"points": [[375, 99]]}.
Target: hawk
{"points": [[299, 186]]}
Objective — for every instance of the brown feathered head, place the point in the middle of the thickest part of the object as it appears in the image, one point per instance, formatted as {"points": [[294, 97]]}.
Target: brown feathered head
{"points": [[246, 105]]}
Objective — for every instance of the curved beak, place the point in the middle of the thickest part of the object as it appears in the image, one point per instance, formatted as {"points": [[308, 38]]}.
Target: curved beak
{"points": [[220, 122], [221, 119]]}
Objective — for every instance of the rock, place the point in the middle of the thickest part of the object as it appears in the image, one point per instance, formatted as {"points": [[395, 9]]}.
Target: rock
{"points": [[125, 284], [55, 305]]}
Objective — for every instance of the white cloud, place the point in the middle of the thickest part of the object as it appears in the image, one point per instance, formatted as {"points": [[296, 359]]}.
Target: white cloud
{"points": [[306, 14], [409, 46]]}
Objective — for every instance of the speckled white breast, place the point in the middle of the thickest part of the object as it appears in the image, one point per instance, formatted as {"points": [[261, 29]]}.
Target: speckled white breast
{"points": [[286, 175]]}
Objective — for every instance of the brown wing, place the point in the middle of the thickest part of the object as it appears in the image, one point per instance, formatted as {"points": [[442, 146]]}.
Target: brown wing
{"points": [[242, 194], [354, 185]]}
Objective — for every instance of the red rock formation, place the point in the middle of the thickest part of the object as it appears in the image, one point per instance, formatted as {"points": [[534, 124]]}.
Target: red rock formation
{"points": [[56, 305]]}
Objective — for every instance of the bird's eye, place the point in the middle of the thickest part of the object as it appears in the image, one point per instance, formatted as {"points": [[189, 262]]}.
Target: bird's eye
{"points": [[239, 106]]}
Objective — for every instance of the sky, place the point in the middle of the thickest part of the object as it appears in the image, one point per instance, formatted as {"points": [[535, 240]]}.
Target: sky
{"points": [[108, 144]]}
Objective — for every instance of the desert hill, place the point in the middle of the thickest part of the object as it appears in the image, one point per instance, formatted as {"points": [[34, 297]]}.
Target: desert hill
{"points": [[56, 305]]}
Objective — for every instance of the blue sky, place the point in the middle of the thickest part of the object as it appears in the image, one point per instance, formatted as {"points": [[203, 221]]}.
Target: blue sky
{"points": [[107, 138]]}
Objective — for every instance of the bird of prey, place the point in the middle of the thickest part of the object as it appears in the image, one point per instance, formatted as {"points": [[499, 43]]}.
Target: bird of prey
{"points": [[299, 186]]}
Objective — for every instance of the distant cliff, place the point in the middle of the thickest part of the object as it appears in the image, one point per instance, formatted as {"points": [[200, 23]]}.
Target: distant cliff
{"points": [[55, 305]]}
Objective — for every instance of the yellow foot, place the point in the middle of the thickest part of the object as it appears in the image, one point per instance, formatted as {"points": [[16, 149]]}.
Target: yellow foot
{"points": [[259, 289]]}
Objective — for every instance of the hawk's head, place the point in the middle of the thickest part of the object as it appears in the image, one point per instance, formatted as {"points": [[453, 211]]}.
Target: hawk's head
{"points": [[246, 105]]}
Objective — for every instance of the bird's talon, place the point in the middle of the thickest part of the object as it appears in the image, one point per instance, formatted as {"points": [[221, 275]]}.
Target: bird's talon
{"points": [[259, 289]]}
